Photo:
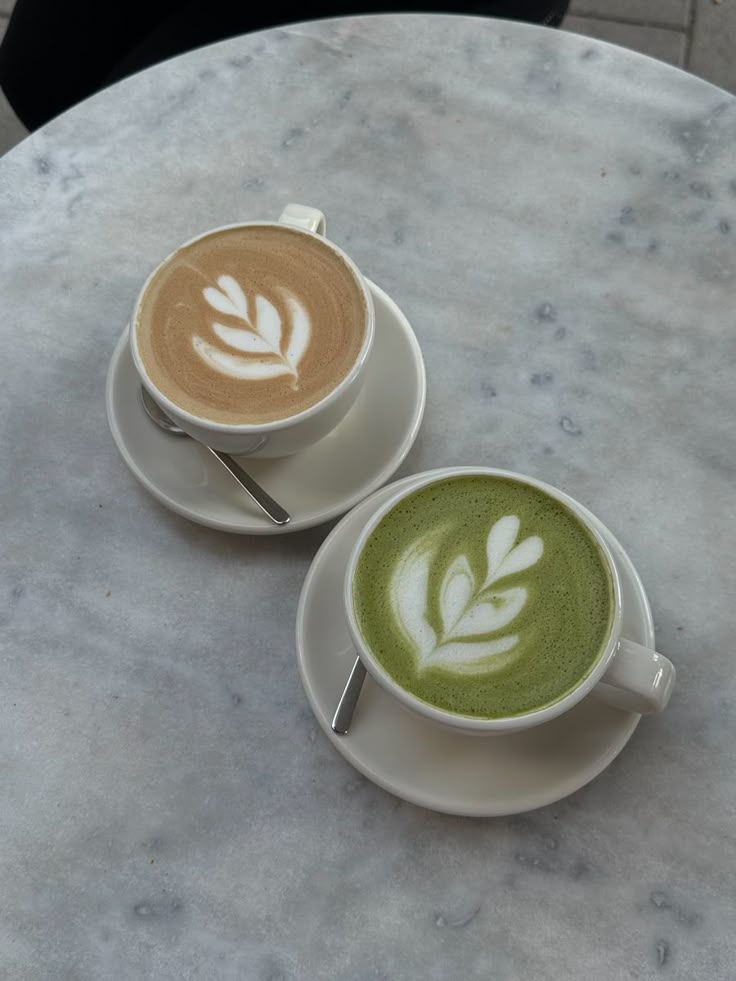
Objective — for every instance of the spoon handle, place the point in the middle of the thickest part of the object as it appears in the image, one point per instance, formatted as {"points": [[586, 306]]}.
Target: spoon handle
{"points": [[264, 501], [349, 699]]}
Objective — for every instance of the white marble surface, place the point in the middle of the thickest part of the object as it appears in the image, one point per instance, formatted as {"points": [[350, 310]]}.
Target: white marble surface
{"points": [[558, 219]]}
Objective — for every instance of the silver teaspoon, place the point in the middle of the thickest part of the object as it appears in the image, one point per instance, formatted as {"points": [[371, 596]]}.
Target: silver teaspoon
{"points": [[256, 493], [349, 699]]}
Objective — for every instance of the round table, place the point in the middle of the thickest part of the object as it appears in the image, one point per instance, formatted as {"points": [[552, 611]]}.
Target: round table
{"points": [[557, 217]]}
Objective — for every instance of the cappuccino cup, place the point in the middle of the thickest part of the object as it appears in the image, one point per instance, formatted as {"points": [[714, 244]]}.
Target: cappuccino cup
{"points": [[486, 601], [255, 337]]}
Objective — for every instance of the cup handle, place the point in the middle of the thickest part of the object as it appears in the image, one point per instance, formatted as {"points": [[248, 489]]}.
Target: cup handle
{"points": [[304, 217], [637, 679]]}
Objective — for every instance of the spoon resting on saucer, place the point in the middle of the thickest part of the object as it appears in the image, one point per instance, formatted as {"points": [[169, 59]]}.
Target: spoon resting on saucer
{"points": [[257, 494], [349, 699]]}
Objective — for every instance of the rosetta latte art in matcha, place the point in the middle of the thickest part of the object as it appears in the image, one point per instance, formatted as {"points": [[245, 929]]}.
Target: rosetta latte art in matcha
{"points": [[483, 596]]}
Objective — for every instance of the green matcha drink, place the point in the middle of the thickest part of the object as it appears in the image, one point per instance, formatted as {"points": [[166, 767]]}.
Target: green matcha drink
{"points": [[483, 596]]}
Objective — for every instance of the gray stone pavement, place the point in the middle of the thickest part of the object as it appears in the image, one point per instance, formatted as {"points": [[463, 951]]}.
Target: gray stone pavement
{"points": [[697, 35]]}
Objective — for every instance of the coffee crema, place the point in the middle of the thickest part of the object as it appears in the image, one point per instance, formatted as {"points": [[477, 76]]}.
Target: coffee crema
{"points": [[483, 596], [251, 324]]}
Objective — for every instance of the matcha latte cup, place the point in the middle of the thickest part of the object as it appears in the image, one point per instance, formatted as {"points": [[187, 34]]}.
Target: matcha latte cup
{"points": [[487, 601]]}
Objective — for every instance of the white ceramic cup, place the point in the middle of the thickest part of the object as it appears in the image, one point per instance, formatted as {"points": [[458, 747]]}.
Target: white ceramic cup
{"points": [[281, 437], [625, 674]]}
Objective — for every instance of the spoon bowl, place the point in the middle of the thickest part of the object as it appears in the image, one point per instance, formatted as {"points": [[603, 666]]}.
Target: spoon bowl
{"points": [[157, 414]]}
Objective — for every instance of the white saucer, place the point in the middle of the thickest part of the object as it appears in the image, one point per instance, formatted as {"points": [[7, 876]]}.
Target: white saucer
{"points": [[314, 486], [478, 776]]}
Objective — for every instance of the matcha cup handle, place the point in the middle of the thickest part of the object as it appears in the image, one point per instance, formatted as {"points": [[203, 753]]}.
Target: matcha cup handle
{"points": [[637, 679]]}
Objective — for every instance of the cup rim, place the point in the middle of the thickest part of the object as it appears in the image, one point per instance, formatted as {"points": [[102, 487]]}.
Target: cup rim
{"points": [[457, 720], [276, 424]]}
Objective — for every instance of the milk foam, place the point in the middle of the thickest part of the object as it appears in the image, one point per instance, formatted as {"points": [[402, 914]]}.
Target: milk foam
{"points": [[261, 339], [469, 610]]}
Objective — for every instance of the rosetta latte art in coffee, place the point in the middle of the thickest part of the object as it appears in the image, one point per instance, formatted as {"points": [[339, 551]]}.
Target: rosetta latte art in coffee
{"points": [[251, 324]]}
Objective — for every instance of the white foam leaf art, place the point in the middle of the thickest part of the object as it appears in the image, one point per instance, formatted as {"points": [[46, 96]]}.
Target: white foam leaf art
{"points": [[259, 341], [236, 367], [268, 323], [473, 615], [300, 333], [503, 558], [231, 300], [242, 340]]}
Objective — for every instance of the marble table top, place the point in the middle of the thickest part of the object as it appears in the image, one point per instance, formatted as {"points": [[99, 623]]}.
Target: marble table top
{"points": [[557, 217]]}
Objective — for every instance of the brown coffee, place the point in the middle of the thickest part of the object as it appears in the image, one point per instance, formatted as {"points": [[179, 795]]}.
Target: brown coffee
{"points": [[251, 324]]}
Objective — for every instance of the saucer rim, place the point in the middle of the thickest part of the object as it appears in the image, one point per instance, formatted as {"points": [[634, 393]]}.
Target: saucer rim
{"points": [[251, 524], [426, 799]]}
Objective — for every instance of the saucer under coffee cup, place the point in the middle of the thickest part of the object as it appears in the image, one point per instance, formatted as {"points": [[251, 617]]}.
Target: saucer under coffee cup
{"points": [[316, 485]]}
